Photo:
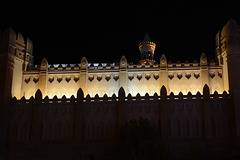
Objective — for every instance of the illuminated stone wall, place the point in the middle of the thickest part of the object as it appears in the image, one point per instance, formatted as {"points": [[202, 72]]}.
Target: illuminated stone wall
{"points": [[64, 79], [105, 78]]}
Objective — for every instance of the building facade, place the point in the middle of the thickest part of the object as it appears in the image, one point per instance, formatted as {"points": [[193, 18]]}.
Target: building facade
{"points": [[104, 78], [72, 111]]}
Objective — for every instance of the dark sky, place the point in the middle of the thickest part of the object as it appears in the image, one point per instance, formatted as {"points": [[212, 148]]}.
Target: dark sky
{"points": [[64, 32]]}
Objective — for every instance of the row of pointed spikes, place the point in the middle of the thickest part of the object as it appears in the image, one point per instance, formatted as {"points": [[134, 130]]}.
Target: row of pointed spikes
{"points": [[124, 58], [122, 97]]}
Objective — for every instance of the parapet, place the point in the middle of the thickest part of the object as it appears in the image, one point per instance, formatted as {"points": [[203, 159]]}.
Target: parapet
{"points": [[122, 97], [123, 64]]}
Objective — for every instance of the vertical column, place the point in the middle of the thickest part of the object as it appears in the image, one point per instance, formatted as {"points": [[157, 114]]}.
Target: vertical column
{"points": [[163, 113], [207, 113], [120, 108], [204, 75], [163, 72], [21, 50], [225, 73], [83, 75], [79, 116], [43, 76], [123, 74], [232, 46], [36, 117]]}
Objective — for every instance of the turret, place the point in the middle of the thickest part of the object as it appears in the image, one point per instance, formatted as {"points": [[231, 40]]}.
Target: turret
{"points": [[17, 52], [228, 53], [147, 48]]}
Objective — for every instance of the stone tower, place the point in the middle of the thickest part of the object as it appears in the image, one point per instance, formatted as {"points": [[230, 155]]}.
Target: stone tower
{"points": [[147, 48], [16, 54], [228, 54]]}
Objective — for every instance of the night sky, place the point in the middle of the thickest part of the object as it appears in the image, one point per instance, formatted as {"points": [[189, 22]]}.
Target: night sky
{"points": [[103, 32]]}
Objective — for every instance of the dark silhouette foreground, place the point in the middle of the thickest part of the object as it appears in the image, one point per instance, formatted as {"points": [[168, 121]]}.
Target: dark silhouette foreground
{"points": [[138, 140]]}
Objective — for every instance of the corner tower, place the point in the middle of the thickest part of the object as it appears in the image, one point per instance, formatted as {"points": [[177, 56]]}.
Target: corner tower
{"points": [[16, 53], [228, 53], [147, 48]]}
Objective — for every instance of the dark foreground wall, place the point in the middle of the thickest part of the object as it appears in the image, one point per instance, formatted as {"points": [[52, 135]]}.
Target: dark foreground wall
{"points": [[84, 127]]}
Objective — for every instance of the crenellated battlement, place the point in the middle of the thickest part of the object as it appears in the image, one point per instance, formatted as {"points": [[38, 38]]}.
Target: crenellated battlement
{"points": [[105, 78], [115, 66], [115, 98]]}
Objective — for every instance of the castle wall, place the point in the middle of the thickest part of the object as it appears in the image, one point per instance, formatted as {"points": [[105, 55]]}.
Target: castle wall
{"points": [[188, 78], [93, 122], [143, 80], [62, 84], [184, 80], [103, 81], [181, 77], [216, 80], [30, 84], [50, 115]]}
